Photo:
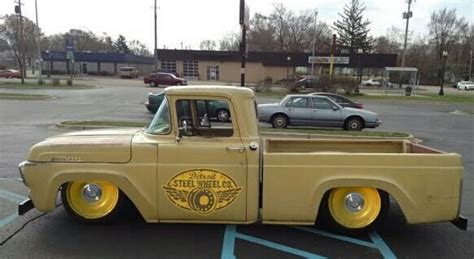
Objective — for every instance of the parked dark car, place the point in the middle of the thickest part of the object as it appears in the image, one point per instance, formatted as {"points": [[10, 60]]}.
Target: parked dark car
{"points": [[157, 79], [10, 73], [307, 82], [341, 100], [217, 109]]}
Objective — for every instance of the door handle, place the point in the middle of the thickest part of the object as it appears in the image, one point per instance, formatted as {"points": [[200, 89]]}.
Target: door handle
{"points": [[239, 149]]}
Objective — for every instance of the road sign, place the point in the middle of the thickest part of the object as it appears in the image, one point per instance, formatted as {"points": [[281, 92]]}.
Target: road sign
{"points": [[327, 60]]}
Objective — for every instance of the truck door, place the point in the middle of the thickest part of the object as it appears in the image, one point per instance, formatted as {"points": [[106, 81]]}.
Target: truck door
{"points": [[202, 176], [325, 113]]}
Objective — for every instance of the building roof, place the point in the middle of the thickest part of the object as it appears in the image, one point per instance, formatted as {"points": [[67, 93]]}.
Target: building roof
{"points": [[276, 58], [103, 57]]}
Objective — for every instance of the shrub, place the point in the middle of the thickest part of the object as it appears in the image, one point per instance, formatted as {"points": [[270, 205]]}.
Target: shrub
{"points": [[349, 84], [40, 82], [56, 82], [69, 82]]}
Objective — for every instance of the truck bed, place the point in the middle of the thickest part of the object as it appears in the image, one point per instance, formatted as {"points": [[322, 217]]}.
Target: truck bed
{"points": [[297, 173], [345, 146]]}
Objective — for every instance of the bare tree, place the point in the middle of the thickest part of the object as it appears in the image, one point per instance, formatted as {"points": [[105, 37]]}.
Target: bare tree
{"points": [[230, 42], [10, 35], [446, 31], [138, 48], [207, 45]]}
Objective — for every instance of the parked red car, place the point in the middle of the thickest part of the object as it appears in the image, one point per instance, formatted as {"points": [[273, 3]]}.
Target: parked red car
{"points": [[157, 79], [9, 73]]}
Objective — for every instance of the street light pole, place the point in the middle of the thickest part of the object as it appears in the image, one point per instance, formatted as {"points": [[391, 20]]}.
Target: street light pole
{"points": [[445, 55], [22, 43], [470, 65], [40, 60], [155, 52], [406, 15], [314, 41]]}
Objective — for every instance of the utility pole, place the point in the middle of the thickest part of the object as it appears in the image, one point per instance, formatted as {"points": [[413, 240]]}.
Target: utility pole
{"points": [[243, 20], [406, 15], [314, 41], [22, 43], [40, 60], [470, 65], [156, 42]]}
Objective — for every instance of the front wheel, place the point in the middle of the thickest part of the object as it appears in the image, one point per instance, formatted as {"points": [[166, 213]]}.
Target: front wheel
{"points": [[152, 84], [92, 201], [354, 124], [355, 210], [223, 115]]}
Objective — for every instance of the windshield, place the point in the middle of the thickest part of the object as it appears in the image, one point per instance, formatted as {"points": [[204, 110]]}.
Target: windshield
{"points": [[161, 122]]}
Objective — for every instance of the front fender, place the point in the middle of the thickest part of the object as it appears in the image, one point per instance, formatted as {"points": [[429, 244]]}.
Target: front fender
{"points": [[46, 180]]}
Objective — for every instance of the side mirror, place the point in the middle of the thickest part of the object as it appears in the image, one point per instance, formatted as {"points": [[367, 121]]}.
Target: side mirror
{"points": [[335, 108], [183, 130]]}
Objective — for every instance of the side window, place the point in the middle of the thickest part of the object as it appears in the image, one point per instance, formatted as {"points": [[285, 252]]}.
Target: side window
{"points": [[205, 118], [321, 103], [298, 102]]}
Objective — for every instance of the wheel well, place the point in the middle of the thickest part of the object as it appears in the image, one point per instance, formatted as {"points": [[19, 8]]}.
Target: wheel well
{"points": [[357, 117], [280, 113], [391, 200], [130, 203]]}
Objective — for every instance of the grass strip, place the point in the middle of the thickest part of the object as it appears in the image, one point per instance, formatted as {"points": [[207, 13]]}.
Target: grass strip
{"points": [[47, 85], [383, 134], [16, 96]]}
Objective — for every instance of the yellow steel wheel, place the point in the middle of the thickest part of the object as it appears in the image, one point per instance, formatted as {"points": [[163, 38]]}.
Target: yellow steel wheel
{"points": [[354, 207], [92, 199]]}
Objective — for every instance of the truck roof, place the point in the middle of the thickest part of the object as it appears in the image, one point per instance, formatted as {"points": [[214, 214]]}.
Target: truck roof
{"points": [[210, 90]]}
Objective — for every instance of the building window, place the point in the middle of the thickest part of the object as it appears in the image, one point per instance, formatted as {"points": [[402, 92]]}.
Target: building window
{"points": [[213, 72], [168, 66], [190, 69]]}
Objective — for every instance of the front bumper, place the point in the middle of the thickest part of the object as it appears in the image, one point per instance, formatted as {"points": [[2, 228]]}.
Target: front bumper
{"points": [[25, 206], [460, 222]]}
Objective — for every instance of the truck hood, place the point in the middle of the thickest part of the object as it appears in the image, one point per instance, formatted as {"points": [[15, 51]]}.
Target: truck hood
{"points": [[107, 145]]}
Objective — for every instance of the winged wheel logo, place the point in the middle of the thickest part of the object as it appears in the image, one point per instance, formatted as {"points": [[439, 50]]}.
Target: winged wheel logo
{"points": [[201, 191]]}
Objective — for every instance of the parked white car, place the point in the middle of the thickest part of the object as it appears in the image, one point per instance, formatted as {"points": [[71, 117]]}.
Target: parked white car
{"points": [[370, 82], [465, 85]]}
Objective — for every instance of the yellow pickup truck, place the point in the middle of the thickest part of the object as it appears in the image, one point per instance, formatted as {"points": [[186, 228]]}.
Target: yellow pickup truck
{"points": [[189, 167]]}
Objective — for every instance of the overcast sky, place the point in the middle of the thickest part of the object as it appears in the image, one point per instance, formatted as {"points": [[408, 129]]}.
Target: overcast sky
{"points": [[191, 21]]}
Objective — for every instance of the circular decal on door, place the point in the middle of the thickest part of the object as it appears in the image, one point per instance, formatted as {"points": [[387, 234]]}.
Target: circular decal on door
{"points": [[202, 191]]}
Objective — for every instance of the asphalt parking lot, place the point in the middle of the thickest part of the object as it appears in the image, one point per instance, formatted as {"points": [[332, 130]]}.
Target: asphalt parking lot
{"points": [[23, 123]]}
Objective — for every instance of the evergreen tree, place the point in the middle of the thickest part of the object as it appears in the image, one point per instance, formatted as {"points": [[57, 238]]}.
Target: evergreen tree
{"points": [[121, 45], [352, 30]]}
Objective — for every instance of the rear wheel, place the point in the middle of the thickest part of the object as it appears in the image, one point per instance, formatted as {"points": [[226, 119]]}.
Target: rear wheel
{"points": [[279, 121], [354, 210], [92, 201]]}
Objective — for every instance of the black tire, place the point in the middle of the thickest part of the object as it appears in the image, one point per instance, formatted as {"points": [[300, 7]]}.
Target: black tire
{"points": [[279, 121], [354, 123], [111, 216], [153, 84], [222, 115], [326, 220]]}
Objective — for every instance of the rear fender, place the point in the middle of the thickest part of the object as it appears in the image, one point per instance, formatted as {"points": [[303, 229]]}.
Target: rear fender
{"points": [[400, 196]]}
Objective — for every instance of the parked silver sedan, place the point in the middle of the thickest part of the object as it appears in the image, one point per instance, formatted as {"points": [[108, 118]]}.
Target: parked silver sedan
{"points": [[320, 111]]}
